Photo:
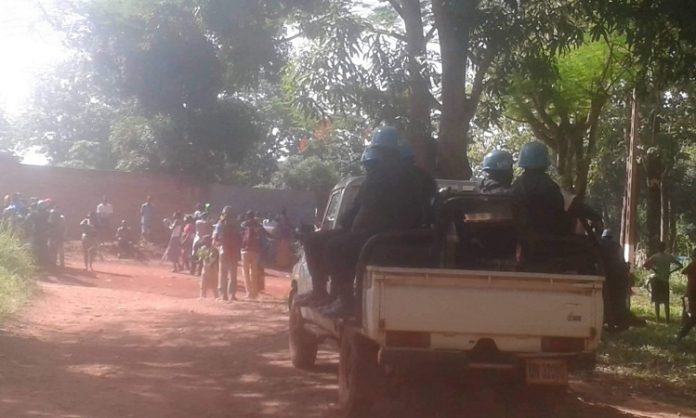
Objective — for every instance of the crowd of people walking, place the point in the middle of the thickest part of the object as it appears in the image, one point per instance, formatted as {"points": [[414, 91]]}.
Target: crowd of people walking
{"points": [[213, 247], [41, 224], [200, 243]]}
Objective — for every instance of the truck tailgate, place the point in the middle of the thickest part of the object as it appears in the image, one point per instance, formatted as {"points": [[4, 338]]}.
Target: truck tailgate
{"points": [[505, 304]]}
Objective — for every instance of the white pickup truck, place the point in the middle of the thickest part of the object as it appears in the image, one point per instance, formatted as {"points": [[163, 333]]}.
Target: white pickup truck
{"points": [[459, 296]]}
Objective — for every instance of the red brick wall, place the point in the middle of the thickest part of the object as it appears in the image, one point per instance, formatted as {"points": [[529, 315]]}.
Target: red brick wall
{"points": [[78, 191]]}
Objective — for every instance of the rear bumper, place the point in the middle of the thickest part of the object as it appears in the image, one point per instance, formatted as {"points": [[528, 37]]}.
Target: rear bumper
{"points": [[463, 360]]}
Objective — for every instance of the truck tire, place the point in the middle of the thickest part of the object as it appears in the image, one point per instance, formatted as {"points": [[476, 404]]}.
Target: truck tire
{"points": [[361, 381], [303, 344]]}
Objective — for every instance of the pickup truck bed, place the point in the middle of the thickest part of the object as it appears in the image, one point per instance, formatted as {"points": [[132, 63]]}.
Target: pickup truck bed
{"points": [[457, 308]]}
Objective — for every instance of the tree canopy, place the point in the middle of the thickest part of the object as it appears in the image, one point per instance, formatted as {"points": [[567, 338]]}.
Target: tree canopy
{"points": [[286, 93]]}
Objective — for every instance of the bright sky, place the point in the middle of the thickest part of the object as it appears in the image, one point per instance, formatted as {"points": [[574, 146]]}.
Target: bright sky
{"points": [[28, 45]]}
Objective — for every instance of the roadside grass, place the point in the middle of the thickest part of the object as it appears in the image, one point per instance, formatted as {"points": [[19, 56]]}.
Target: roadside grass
{"points": [[650, 359], [16, 271]]}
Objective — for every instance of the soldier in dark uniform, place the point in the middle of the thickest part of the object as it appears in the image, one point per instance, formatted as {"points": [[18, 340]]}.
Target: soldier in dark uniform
{"points": [[426, 183], [385, 140], [391, 198], [38, 229], [538, 192], [617, 287], [498, 168]]}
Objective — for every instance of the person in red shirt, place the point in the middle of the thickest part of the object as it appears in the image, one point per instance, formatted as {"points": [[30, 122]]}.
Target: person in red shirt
{"points": [[690, 320]]}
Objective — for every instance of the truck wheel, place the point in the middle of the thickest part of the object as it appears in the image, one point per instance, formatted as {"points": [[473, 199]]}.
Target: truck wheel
{"points": [[303, 344], [360, 379]]}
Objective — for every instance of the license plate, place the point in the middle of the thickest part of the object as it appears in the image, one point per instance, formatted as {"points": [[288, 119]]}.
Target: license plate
{"points": [[546, 372]]}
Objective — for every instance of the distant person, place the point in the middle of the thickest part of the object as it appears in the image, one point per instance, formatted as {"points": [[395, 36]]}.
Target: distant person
{"points": [[661, 264], [104, 213], [252, 236], [124, 241], [89, 241], [618, 282], [689, 320], [283, 236], [38, 230], [198, 210], [56, 239], [147, 218], [209, 257], [173, 252], [203, 227], [227, 237], [187, 242]]}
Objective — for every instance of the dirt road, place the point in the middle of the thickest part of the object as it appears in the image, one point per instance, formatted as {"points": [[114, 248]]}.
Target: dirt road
{"points": [[133, 340]]}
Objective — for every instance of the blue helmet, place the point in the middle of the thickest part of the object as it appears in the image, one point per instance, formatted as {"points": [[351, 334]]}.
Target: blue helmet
{"points": [[498, 160], [534, 155], [385, 136], [371, 154]]}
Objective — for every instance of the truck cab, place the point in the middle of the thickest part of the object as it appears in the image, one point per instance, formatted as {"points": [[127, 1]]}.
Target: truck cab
{"points": [[477, 290]]}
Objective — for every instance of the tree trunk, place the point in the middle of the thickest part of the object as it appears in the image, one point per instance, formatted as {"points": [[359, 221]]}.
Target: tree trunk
{"points": [[672, 224], [419, 126], [664, 221], [624, 208], [653, 177], [453, 23]]}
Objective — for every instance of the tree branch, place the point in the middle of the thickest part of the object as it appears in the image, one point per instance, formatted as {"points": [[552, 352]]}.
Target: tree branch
{"points": [[477, 86], [540, 130], [290, 38], [401, 37], [545, 117], [435, 103], [395, 4], [431, 33]]}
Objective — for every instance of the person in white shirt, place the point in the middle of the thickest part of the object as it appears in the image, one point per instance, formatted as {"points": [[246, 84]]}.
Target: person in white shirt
{"points": [[104, 213]]}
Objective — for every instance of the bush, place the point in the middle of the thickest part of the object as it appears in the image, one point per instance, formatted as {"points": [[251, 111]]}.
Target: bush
{"points": [[16, 270]]}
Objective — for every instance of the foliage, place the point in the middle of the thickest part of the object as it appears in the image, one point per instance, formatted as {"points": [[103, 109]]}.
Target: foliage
{"points": [[310, 173], [607, 173], [561, 98], [159, 85], [70, 117], [330, 152], [16, 270]]}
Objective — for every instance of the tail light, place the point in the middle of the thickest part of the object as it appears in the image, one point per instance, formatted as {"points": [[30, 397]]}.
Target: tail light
{"points": [[562, 344], [409, 339]]}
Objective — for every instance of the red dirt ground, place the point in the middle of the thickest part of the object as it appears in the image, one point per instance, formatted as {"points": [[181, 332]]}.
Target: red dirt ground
{"points": [[133, 340]]}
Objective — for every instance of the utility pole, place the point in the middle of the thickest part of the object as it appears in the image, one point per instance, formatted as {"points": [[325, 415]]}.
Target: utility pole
{"points": [[629, 223]]}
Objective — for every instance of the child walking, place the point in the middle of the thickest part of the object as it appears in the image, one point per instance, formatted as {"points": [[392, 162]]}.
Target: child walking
{"points": [[209, 257]]}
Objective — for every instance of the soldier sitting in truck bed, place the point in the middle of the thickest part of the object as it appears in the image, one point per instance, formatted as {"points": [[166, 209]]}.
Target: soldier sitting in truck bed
{"points": [[384, 143], [391, 198], [498, 168], [550, 216]]}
